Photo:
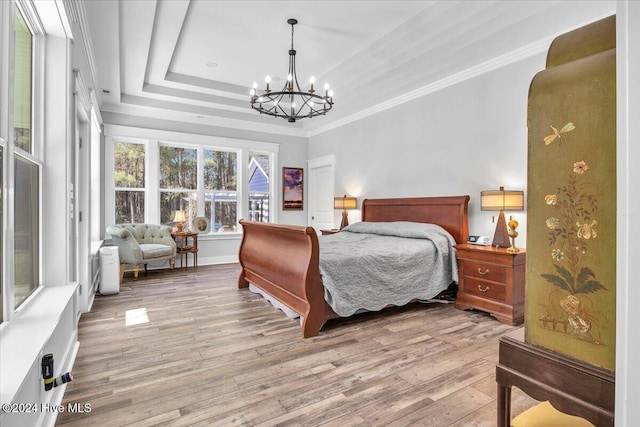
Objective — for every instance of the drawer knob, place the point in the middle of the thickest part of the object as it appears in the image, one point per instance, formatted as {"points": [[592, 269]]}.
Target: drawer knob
{"points": [[483, 272], [483, 290]]}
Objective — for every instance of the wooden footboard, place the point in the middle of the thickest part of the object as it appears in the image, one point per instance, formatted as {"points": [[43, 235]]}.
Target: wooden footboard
{"points": [[283, 260]]}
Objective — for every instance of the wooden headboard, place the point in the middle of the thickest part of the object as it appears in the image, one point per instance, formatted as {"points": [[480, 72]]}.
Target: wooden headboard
{"points": [[449, 212]]}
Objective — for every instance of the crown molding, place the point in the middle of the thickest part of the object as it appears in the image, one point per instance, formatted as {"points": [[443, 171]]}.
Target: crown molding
{"points": [[475, 71]]}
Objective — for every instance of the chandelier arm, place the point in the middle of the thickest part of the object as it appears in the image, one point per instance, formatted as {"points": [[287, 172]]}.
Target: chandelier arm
{"points": [[306, 103]]}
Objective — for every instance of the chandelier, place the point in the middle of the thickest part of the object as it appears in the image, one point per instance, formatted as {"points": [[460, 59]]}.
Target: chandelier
{"points": [[291, 103]]}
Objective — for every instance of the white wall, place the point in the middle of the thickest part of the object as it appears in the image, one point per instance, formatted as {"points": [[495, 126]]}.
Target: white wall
{"points": [[462, 139]]}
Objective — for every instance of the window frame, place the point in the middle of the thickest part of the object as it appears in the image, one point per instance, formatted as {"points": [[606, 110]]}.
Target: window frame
{"points": [[112, 180], [177, 190], [35, 157], [202, 191], [155, 138]]}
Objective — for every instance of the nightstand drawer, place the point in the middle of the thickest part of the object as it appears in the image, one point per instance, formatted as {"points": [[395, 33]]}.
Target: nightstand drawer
{"points": [[485, 271], [484, 289]]}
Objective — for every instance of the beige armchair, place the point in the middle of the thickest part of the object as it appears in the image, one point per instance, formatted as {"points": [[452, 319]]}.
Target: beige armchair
{"points": [[142, 244]]}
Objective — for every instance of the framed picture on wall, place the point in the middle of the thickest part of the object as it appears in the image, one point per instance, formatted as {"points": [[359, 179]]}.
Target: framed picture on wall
{"points": [[292, 188]]}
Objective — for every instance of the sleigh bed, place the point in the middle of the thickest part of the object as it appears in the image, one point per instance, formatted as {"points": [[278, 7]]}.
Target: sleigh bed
{"points": [[283, 261]]}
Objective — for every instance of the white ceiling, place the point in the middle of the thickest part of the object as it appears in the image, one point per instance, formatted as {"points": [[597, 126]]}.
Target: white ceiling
{"points": [[195, 61]]}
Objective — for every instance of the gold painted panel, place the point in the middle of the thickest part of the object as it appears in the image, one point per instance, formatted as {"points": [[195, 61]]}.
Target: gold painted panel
{"points": [[570, 304]]}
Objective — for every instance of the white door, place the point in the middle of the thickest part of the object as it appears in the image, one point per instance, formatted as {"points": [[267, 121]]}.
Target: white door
{"points": [[321, 185]]}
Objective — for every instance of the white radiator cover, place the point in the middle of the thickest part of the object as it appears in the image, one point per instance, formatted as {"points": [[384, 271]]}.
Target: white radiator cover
{"points": [[109, 270]]}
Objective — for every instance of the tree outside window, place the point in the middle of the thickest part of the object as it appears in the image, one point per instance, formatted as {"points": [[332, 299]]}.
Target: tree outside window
{"points": [[129, 159], [201, 181], [178, 183]]}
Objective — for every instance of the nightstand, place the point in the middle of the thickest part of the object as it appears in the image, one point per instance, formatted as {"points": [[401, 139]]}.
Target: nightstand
{"points": [[492, 280], [327, 232]]}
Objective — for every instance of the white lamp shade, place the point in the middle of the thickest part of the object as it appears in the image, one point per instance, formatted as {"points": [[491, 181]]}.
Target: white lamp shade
{"points": [[502, 200], [179, 217], [344, 202]]}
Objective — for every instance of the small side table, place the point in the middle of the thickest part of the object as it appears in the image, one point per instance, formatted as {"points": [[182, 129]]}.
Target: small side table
{"points": [[328, 232], [184, 248]]}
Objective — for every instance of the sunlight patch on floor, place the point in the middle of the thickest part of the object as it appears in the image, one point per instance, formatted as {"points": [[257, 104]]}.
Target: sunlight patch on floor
{"points": [[136, 317]]}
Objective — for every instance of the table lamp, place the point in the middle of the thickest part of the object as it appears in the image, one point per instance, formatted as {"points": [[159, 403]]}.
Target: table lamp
{"points": [[344, 203], [501, 200], [179, 219]]}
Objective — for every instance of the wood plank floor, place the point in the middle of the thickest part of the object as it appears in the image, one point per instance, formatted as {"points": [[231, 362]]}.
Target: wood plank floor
{"points": [[213, 355]]}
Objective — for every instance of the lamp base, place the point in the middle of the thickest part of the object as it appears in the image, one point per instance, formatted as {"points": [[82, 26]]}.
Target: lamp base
{"points": [[345, 219], [179, 227], [501, 236]]}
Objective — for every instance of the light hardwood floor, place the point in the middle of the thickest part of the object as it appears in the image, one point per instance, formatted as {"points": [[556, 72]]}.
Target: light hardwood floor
{"points": [[214, 355]]}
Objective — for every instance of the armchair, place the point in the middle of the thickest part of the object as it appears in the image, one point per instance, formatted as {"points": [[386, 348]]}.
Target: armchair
{"points": [[141, 244]]}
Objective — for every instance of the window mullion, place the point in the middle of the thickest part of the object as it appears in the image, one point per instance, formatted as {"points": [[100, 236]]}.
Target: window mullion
{"points": [[243, 185], [152, 182], [200, 189]]}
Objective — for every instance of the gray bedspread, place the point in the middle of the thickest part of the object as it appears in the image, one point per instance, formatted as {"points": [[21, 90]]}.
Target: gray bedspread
{"points": [[369, 265]]}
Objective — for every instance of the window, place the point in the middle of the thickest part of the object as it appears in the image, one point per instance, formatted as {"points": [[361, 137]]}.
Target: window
{"points": [[129, 161], [198, 175], [27, 233], [259, 186], [26, 179], [22, 91], [178, 183], [220, 183]]}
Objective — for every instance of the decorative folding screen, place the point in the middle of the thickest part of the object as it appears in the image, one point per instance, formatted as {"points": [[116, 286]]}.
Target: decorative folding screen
{"points": [[570, 304]]}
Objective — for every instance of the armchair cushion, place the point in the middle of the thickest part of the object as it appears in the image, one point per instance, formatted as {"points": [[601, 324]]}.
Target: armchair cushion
{"points": [[155, 250]]}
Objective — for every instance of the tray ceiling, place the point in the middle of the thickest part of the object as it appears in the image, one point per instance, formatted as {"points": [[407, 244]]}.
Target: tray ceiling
{"points": [[194, 61]]}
